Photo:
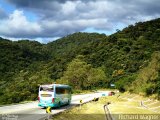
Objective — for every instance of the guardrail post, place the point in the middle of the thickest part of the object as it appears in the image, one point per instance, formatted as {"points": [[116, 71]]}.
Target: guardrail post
{"points": [[80, 103]]}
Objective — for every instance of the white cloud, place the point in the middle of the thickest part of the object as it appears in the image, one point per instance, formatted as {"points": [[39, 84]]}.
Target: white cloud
{"points": [[68, 8], [57, 18], [18, 25]]}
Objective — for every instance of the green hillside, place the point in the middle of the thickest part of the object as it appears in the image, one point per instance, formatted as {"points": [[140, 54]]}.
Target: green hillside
{"points": [[125, 58]]}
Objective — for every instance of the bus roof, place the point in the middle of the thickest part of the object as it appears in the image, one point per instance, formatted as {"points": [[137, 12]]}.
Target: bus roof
{"points": [[50, 85]]}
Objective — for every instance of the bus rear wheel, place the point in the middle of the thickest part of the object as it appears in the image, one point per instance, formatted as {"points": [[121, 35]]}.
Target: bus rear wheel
{"points": [[68, 102], [59, 104]]}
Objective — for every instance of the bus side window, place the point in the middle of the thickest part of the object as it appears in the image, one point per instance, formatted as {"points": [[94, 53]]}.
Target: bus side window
{"points": [[57, 91], [60, 91], [69, 91], [66, 91]]}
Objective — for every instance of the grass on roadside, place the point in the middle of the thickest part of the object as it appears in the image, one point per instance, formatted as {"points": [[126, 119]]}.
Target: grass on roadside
{"points": [[95, 110]]}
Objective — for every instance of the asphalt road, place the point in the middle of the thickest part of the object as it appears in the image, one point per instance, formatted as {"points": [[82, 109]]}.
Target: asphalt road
{"points": [[31, 110]]}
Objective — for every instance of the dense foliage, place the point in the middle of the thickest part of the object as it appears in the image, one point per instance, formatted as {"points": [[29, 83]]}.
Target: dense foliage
{"points": [[123, 58], [81, 75]]}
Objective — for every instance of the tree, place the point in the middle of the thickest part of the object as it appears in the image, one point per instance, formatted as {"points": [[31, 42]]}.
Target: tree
{"points": [[96, 78], [81, 75], [148, 77]]}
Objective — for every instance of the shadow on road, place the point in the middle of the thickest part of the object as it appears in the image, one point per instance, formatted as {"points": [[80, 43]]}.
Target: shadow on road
{"points": [[62, 107]]}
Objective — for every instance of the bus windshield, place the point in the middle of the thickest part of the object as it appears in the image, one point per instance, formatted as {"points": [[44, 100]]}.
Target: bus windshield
{"points": [[45, 88]]}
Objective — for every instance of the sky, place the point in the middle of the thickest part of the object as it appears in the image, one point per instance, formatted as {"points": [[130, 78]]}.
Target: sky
{"points": [[48, 20]]}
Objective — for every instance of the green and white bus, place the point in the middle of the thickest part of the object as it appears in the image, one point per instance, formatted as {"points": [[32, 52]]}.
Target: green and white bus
{"points": [[54, 95]]}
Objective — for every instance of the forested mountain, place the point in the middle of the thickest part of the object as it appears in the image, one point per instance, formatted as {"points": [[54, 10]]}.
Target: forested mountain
{"points": [[129, 58]]}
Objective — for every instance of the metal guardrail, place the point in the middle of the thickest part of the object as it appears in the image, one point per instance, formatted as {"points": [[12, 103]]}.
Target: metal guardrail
{"points": [[107, 112], [142, 104]]}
